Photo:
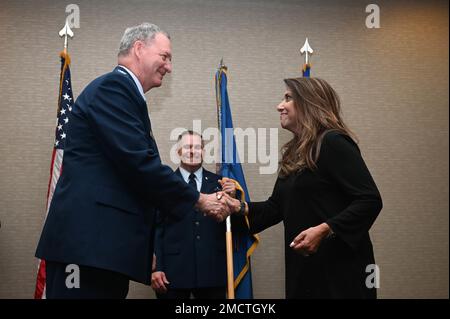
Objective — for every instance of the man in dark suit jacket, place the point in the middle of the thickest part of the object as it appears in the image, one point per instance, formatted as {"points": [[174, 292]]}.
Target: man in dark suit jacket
{"points": [[101, 217], [190, 249]]}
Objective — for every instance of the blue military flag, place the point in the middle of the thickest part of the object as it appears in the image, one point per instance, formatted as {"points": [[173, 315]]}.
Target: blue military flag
{"points": [[243, 242], [306, 70]]}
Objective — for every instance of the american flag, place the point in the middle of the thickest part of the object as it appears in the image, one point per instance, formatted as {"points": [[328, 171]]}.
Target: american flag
{"points": [[65, 104]]}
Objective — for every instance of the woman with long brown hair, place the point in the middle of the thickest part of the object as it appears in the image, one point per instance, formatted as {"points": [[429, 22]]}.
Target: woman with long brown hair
{"points": [[325, 196]]}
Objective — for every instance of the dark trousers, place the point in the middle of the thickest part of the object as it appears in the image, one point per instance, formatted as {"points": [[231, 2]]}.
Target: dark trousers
{"points": [[198, 293], [94, 283]]}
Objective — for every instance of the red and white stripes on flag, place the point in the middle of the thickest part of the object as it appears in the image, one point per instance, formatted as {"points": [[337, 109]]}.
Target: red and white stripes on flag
{"points": [[65, 104]]}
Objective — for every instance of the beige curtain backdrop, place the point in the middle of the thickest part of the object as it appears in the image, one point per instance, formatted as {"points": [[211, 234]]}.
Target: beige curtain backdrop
{"points": [[393, 82]]}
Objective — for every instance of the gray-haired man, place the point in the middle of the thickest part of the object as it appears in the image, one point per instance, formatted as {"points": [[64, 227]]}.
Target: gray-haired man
{"points": [[102, 214]]}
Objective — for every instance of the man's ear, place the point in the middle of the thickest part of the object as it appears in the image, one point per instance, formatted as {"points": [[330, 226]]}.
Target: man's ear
{"points": [[137, 48], [203, 153]]}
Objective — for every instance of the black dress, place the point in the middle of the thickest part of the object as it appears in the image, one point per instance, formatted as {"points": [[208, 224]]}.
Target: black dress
{"points": [[340, 192]]}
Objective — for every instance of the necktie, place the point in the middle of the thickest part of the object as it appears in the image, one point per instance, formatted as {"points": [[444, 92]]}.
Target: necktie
{"points": [[192, 181]]}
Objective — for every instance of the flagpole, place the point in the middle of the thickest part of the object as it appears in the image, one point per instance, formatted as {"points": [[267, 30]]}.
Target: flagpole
{"points": [[66, 32], [228, 233], [306, 48], [230, 271]]}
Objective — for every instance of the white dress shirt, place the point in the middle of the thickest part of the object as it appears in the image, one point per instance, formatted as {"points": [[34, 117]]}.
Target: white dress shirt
{"points": [[198, 176]]}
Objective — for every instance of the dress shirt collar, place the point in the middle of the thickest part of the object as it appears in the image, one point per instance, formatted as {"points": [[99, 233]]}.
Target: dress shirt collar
{"points": [[198, 176], [136, 80]]}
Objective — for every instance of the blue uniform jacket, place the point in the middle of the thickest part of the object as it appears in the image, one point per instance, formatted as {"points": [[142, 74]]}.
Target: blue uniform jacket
{"points": [[104, 207], [191, 249]]}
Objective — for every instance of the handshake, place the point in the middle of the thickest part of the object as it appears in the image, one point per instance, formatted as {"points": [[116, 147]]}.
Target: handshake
{"points": [[221, 204]]}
